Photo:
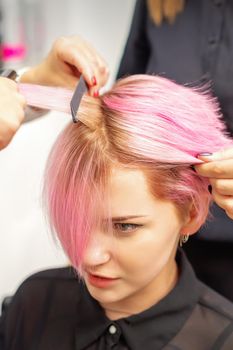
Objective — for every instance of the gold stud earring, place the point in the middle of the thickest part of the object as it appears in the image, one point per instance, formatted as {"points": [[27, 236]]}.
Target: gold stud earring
{"points": [[183, 239]]}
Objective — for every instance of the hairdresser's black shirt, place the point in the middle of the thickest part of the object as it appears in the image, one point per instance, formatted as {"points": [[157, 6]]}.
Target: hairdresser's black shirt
{"points": [[52, 310], [197, 47]]}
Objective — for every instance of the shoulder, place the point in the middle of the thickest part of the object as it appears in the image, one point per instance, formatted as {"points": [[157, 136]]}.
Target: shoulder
{"points": [[60, 286], [210, 324], [53, 281], [214, 316], [61, 273], [56, 274], [41, 299], [51, 276], [215, 304]]}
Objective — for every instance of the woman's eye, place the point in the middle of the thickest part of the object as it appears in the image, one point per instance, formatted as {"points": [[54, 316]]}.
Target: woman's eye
{"points": [[121, 227]]}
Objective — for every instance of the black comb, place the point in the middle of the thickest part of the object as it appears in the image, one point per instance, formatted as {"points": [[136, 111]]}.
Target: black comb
{"points": [[79, 91]]}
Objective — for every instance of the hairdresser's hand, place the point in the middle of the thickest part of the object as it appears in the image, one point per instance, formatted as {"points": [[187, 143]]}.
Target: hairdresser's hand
{"points": [[219, 168], [11, 110], [68, 58]]}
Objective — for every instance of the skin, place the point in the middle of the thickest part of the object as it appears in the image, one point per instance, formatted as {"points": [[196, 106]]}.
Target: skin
{"points": [[140, 252], [218, 167], [11, 110], [68, 58]]}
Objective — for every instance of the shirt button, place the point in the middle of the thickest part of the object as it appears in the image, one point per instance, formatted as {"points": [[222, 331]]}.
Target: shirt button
{"points": [[112, 329]]}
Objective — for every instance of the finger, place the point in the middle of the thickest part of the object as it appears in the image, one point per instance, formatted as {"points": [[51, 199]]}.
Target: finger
{"points": [[67, 79], [101, 70], [14, 121], [15, 118], [98, 63], [222, 186], [9, 83], [222, 169], [223, 154], [21, 99], [4, 142], [103, 74], [99, 67], [79, 60], [94, 91], [21, 115], [225, 202]]}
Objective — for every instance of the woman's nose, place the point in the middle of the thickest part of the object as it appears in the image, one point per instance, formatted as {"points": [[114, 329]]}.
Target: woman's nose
{"points": [[97, 251]]}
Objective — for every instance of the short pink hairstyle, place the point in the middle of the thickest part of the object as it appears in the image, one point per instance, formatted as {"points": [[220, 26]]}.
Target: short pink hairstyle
{"points": [[143, 122]]}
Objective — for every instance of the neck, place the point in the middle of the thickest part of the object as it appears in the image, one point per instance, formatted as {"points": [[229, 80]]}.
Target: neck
{"points": [[145, 298]]}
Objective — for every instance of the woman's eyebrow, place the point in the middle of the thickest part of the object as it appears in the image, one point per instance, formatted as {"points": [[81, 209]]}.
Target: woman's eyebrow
{"points": [[128, 217]]}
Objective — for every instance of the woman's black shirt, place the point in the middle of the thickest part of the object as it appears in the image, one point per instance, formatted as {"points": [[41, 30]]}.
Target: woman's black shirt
{"points": [[52, 310]]}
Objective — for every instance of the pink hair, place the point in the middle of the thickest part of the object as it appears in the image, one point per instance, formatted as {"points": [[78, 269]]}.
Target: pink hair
{"points": [[47, 97], [143, 122]]}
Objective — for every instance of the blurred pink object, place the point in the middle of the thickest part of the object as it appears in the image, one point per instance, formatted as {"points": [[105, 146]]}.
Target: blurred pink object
{"points": [[15, 52]]}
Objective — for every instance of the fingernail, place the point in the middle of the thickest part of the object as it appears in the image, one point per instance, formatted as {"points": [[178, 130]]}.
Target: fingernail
{"points": [[210, 189], [205, 154], [93, 80], [96, 94]]}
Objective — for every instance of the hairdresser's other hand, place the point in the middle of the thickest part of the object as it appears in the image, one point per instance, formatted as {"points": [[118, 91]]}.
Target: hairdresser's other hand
{"points": [[68, 58], [219, 168], [11, 110]]}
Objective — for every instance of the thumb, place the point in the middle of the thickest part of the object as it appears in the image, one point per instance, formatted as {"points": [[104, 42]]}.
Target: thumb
{"points": [[220, 155]]}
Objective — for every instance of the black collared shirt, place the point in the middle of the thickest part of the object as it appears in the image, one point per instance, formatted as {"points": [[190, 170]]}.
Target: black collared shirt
{"points": [[197, 48], [52, 310]]}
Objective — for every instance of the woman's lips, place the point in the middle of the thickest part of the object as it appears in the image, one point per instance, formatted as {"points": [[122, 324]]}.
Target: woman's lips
{"points": [[99, 281]]}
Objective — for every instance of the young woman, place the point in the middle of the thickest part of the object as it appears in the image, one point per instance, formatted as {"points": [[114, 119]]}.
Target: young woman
{"points": [[122, 194]]}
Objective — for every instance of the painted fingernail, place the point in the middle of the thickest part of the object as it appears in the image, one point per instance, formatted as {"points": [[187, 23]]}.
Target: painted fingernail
{"points": [[96, 94], [205, 154], [210, 189], [93, 80]]}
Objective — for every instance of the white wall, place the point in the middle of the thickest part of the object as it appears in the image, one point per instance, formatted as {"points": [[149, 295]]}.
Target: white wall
{"points": [[25, 242]]}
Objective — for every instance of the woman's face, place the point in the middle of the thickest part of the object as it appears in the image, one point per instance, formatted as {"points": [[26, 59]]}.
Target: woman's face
{"points": [[133, 267]]}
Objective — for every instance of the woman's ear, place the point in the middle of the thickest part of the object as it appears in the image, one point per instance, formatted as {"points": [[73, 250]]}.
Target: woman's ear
{"points": [[194, 219]]}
